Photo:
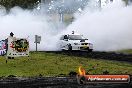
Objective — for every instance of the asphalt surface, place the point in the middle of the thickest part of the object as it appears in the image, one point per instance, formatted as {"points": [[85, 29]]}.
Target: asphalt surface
{"points": [[53, 82]]}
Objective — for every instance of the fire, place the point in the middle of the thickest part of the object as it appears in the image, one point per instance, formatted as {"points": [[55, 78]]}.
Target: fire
{"points": [[82, 72]]}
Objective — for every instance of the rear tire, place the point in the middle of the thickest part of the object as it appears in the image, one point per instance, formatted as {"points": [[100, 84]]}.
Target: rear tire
{"points": [[63, 50], [90, 50], [69, 47]]}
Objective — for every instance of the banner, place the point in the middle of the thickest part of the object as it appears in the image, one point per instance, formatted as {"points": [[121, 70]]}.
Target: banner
{"points": [[2, 47], [17, 47]]}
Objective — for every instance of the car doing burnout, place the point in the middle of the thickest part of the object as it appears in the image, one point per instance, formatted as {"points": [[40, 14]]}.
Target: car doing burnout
{"points": [[75, 42]]}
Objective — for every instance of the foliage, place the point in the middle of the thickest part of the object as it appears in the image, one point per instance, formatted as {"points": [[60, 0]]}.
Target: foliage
{"points": [[126, 1], [28, 4]]}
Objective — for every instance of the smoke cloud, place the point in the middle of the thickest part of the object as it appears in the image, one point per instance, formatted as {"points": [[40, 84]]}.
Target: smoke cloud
{"points": [[109, 29], [27, 24]]}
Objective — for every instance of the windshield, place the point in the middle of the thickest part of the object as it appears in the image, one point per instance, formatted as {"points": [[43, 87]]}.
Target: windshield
{"points": [[76, 37]]}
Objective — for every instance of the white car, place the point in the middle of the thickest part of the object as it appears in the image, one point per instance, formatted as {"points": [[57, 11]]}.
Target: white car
{"points": [[75, 42]]}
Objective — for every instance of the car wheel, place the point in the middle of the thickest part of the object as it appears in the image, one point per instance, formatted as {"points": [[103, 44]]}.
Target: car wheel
{"points": [[69, 47], [63, 50], [90, 50]]}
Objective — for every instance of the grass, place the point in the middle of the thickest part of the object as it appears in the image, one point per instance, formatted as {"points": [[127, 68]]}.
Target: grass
{"points": [[127, 51], [51, 64]]}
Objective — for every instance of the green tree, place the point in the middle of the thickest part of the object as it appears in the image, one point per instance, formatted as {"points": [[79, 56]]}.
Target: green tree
{"points": [[26, 4], [126, 1]]}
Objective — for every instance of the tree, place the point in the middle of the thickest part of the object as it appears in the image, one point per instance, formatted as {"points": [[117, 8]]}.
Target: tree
{"points": [[126, 1], [26, 4]]}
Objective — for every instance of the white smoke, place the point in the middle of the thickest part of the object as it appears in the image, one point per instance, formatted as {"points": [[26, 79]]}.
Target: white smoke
{"points": [[28, 23], [108, 29], [25, 23]]}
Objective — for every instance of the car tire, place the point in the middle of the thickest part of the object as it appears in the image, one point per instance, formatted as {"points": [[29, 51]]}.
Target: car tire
{"points": [[69, 47], [90, 50], [63, 50]]}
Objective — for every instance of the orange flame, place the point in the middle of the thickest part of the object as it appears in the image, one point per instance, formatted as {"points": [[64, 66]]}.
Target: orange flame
{"points": [[82, 72]]}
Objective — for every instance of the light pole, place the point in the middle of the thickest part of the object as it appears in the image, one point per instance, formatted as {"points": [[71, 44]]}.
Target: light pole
{"points": [[100, 4], [61, 16], [61, 12]]}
